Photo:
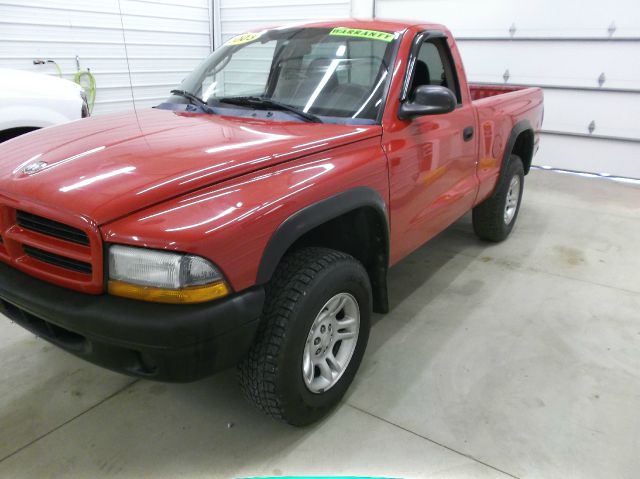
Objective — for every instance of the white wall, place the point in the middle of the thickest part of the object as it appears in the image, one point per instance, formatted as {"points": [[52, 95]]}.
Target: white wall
{"points": [[563, 46], [232, 17], [162, 39]]}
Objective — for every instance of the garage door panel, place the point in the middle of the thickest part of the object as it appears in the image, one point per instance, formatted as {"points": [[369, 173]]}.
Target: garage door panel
{"points": [[110, 94], [160, 25], [78, 35], [186, 4], [153, 91], [586, 53], [15, 32], [104, 6], [68, 65], [162, 38], [618, 158], [160, 63], [542, 18], [182, 10], [147, 67], [143, 77], [104, 108], [39, 13], [274, 14], [169, 50], [573, 111], [554, 63], [34, 49], [148, 102], [315, 5]]}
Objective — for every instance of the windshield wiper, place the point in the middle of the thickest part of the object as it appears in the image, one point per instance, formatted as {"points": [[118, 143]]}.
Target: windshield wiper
{"points": [[269, 103], [193, 99]]}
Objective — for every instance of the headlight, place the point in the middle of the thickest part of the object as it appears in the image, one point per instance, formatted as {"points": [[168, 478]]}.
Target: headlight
{"points": [[163, 277]]}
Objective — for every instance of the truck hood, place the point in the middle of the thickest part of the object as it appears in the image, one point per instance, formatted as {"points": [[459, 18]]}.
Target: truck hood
{"points": [[109, 166]]}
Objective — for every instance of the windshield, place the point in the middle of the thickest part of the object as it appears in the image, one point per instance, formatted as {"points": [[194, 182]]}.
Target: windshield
{"points": [[337, 74]]}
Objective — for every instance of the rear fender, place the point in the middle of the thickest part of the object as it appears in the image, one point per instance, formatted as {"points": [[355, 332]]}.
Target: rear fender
{"points": [[518, 128]]}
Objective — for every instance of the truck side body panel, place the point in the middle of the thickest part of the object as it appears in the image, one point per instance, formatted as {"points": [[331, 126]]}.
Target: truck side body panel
{"points": [[436, 174], [231, 223], [497, 117], [432, 171]]}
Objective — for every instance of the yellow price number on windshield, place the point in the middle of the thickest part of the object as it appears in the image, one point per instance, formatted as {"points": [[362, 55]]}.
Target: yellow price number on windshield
{"points": [[243, 38]]}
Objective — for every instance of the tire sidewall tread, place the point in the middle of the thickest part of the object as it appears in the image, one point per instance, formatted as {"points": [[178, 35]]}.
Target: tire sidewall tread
{"points": [[271, 375], [488, 216]]}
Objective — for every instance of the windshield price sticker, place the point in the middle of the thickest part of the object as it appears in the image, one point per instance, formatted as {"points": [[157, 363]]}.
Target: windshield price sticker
{"points": [[244, 38], [357, 32]]}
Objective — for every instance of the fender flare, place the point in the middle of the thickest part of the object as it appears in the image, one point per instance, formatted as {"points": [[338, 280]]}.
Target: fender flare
{"points": [[314, 215], [518, 128]]}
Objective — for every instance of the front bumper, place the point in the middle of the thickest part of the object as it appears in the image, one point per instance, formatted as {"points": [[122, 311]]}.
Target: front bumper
{"points": [[164, 342]]}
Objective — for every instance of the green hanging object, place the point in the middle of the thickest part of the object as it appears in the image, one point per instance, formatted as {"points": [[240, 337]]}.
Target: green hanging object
{"points": [[87, 81]]}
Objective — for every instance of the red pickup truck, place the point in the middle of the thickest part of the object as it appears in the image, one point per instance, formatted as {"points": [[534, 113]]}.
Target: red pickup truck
{"points": [[251, 219]]}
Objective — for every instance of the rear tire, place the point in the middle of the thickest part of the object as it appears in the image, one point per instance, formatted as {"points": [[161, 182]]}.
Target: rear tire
{"points": [[312, 336], [494, 218]]}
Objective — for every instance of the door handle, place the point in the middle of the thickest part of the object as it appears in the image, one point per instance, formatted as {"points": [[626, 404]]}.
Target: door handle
{"points": [[467, 133]]}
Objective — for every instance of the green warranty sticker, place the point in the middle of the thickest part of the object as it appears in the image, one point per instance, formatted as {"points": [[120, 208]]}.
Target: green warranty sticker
{"points": [[359, 33]]}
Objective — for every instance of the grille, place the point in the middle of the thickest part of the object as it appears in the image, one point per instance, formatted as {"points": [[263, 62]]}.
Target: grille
{"points": [[57, 260], [62, 249], [51, 228]]}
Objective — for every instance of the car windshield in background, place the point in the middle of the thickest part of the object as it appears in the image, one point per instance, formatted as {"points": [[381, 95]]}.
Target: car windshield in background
{"points": [[330, 74]]}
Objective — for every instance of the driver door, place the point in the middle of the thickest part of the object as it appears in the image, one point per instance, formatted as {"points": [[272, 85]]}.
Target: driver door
{"points": [[432, 158]]}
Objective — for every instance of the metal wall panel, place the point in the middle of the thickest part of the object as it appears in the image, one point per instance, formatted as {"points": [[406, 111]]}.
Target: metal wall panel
{"points": [[161, 39], [232, 17], [539, 18], [618, 158], [573, 110], [561, 63], [586, 54]]}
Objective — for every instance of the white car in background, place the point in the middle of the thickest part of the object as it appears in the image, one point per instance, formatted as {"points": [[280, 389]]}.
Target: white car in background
{"points": [[30, 100]]}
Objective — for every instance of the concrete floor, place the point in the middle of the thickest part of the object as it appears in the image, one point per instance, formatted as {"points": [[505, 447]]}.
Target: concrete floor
{"points": [[518, 359]]}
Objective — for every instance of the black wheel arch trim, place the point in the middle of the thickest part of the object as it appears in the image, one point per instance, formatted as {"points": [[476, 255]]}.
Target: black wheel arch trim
{"points": [[316, 214], [518, 128]]}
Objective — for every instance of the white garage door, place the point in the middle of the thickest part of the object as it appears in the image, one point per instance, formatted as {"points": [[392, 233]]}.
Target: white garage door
{"points": [[585, 53], [162, 40]]}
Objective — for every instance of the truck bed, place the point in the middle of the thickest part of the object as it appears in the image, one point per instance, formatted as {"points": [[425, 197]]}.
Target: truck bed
{"points": [[500, 108], [480, 91]]}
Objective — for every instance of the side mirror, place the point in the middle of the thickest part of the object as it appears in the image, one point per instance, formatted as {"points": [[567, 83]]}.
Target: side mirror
{"points": [[428, 100]]}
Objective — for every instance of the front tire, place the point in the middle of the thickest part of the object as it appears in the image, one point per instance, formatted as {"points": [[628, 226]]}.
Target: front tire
{"points": [[313, 335], [494, 218]]}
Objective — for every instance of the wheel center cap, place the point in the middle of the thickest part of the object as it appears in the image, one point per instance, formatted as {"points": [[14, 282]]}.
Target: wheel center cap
{"points": [[324, 334]]}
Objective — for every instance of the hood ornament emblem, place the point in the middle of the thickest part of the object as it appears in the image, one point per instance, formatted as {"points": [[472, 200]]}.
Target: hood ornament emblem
{"points": [[35, 167]]}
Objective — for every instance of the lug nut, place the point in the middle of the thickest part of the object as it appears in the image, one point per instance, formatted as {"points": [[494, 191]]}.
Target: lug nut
{"points": [[318, 351], [316, 341], [323, 328]]}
